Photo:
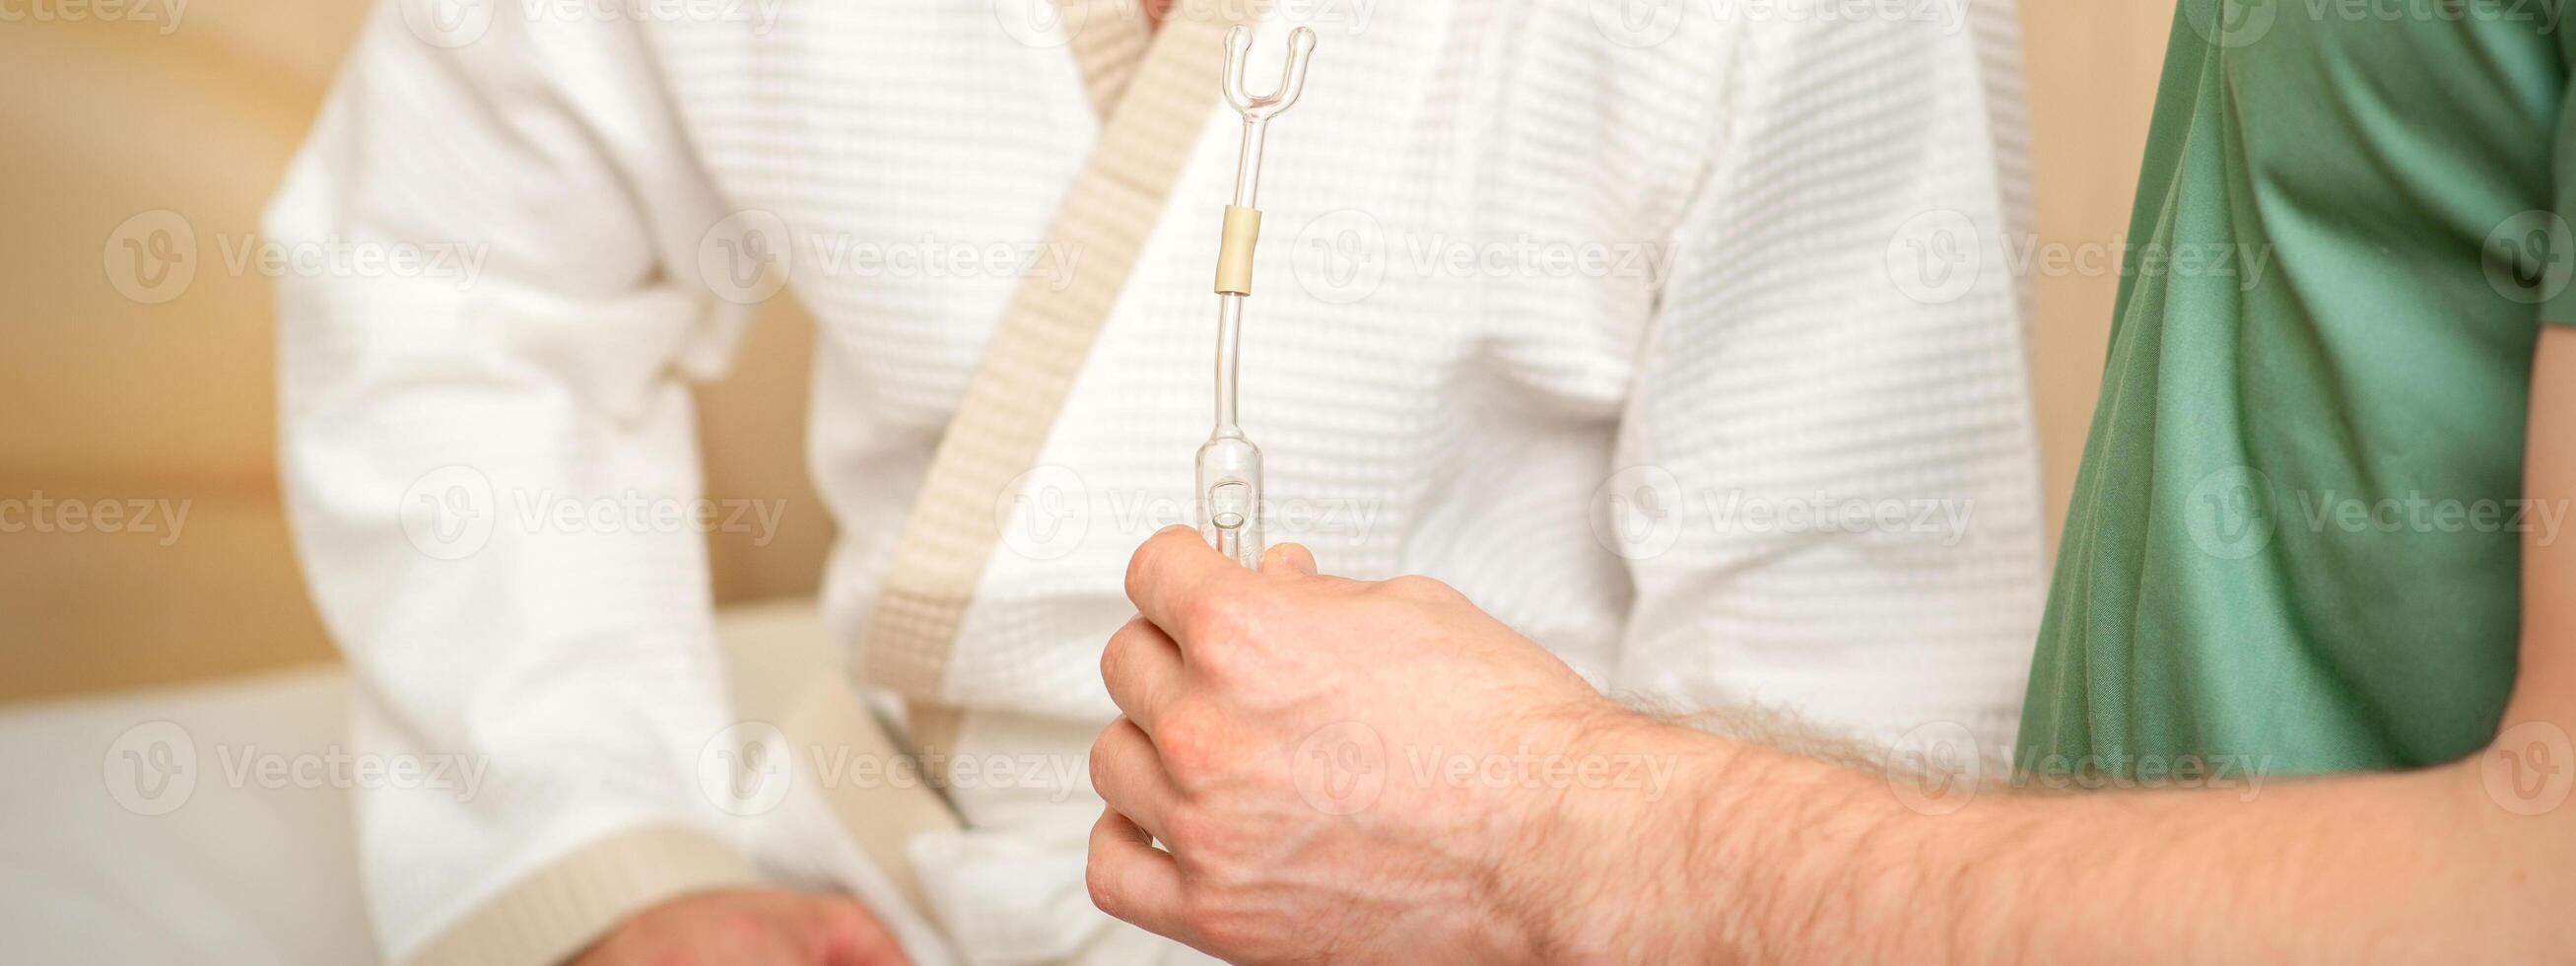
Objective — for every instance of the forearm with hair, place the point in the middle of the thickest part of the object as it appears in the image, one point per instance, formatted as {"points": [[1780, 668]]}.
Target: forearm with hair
{"points": [[1792, 860], [1761, 855]]}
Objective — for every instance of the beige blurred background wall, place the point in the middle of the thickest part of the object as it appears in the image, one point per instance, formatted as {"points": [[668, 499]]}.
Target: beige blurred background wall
{"points": [[107, 398]]}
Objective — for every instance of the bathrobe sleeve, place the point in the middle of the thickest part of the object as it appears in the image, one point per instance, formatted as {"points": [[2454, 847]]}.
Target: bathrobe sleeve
{"points": [[1826, 482], [485, 436]]}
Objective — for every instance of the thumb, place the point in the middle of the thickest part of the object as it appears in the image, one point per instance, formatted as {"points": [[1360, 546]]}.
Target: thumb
{"points": [[1290, 559], [846, 935]]}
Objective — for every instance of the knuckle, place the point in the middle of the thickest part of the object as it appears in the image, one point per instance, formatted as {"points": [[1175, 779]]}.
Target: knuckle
{"points": [[1233, 636], [1219, 927], [1209, 618], [1109, 656], [1417, 587], [1096, 884], [1102, 885], [1189, 828], [845, 921], [1184, 759], [1105, 751], [1149, 556], [1189, 745], [1221, 670], [1099, 761], [739, 932], [1139, 564]]}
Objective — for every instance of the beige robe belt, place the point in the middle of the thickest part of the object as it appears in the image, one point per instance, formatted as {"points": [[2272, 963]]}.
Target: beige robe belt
{"points": [[1045, 334]]}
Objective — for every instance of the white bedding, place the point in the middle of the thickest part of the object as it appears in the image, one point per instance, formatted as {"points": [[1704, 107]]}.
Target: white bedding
{"points": [[231, 870], [234, 844]]}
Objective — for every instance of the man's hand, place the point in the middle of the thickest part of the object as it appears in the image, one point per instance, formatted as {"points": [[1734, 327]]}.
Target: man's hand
{"points": [[1342, 771], [753, 927], [1294, 741]]}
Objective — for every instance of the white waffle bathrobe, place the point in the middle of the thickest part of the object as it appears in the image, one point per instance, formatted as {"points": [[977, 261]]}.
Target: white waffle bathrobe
{"points": [[1679, 336]]}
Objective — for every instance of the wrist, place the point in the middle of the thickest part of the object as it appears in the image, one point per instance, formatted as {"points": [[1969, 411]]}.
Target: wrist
{"points": [[1730, 852], [1611, 871], [1801, 860]]}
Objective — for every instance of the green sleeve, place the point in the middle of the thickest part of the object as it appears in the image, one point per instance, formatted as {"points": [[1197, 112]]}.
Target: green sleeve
{"points": [[2290, 545], [2556, 268]]}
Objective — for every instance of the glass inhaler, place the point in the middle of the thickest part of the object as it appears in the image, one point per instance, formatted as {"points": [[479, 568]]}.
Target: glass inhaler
{"points": [[1230, 502]]}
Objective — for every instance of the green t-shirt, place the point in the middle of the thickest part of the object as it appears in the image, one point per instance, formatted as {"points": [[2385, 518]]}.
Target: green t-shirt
{"points": [[2294, 542]]}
